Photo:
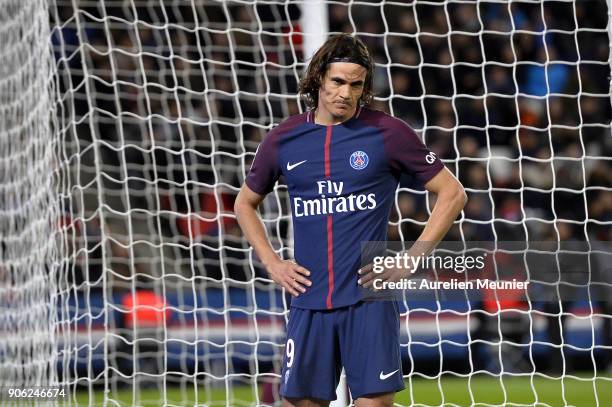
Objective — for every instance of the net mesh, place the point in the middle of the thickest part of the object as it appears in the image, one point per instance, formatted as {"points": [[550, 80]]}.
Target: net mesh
{"points": [[157, 110]]}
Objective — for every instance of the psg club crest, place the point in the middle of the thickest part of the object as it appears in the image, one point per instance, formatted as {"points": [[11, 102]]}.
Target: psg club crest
{"points": [[359, 160]]}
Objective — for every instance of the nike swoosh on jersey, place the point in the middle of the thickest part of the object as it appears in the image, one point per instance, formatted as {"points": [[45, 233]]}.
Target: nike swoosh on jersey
{"points": [[292, 166], [388, 375]]}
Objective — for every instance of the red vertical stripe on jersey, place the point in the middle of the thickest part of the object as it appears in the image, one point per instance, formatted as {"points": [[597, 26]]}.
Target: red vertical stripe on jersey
{"points": [[330, 236], [328, 133], [330, 262]]}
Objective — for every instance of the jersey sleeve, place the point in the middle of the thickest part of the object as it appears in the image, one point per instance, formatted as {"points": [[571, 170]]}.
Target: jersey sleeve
{"points": [[407, 153], [265, 170]]}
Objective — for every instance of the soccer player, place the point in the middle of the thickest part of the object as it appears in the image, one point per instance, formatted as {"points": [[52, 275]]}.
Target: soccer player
{"points": [[341, 162]]}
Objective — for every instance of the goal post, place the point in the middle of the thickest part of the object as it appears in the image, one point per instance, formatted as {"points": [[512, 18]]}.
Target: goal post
{"points": [[29, 258], [127, 128]]}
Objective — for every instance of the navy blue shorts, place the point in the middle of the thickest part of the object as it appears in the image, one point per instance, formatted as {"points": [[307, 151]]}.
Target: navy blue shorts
{"points": [[364, 338]]}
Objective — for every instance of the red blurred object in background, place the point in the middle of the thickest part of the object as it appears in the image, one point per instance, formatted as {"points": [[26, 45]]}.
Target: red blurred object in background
{"points": [[144, 309]]}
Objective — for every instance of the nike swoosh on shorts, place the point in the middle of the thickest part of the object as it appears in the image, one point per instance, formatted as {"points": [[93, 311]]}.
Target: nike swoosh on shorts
{"points": [[386, 376]]}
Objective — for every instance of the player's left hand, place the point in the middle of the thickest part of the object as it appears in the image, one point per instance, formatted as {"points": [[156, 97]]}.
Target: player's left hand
{"points": [[367, 275]]}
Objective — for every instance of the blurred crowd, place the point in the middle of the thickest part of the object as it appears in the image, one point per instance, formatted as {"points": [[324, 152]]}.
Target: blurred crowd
{"points": [[164, 106], [515, 99]]}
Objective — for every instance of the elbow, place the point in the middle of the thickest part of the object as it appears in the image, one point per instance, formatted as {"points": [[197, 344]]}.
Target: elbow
{"points": [[453, 197], [460, 197], [239, 210], [457, 197], [239, 207], [243, 206]]}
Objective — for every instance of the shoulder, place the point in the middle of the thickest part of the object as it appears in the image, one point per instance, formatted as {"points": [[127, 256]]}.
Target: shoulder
{"points": [[270, 144], [384, 122], [286, 126], [396, 134]]}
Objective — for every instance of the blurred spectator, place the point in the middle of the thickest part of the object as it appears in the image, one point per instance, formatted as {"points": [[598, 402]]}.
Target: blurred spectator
{"points": [[98, 252], [550, 78]]}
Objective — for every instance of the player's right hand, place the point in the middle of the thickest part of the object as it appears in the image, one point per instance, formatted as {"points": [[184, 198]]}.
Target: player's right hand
{"points": [[290, 275]]}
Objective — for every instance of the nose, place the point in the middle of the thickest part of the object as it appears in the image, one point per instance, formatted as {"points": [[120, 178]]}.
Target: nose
{"points": [[345, 92]]}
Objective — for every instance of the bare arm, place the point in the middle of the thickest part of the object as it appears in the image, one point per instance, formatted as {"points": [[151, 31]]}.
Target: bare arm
{"points": [[288, 274], [450, 200]]}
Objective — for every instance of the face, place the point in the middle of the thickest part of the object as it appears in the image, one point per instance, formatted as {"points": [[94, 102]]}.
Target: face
{"points": [[340, 91]]}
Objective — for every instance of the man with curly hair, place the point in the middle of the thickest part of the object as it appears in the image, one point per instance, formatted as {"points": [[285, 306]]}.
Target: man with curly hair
{"points": [[341, 162]]}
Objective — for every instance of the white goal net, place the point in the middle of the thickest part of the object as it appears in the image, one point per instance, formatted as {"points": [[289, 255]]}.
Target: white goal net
{"points": [[127, 128]]}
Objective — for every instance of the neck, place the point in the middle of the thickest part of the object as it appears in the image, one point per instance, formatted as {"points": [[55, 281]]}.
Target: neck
{"points": [[323, 117]]}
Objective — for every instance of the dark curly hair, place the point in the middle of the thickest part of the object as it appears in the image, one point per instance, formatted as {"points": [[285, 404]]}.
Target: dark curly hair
{"points": [[338, 48]]}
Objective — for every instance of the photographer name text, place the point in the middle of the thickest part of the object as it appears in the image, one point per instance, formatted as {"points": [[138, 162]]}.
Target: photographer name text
{"points": [[452, 284]]}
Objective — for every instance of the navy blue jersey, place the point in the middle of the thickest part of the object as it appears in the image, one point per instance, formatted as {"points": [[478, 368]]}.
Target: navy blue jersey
{"points": [[341, 180]]}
